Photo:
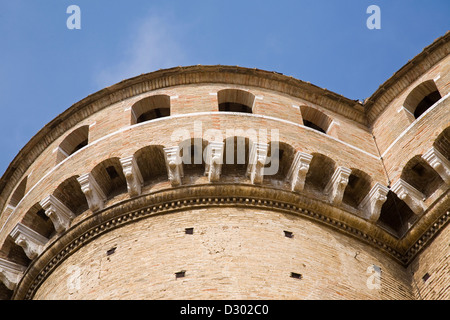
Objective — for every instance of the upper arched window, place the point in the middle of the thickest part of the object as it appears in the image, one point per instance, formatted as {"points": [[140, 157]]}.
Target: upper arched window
{"points": [[315, 119], [150, 108], [421, 98], [76, 140], [235, 100]]}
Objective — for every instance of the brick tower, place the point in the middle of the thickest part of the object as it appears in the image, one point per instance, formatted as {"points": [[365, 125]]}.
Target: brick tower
{"points": [[223, 182]]}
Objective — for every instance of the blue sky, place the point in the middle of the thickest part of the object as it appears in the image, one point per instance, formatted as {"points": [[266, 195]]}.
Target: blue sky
{"points": [[46, 67]]}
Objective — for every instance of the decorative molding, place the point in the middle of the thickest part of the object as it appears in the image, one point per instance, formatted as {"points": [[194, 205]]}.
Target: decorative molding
{"points": [[439, 163], [174, 165], [32, 242], [336, 186], [132, 175], [256, 162], [372, 203], [11, 273], [412, 197], [60, 215], [298, 170], [214, 161], [93, 192]]}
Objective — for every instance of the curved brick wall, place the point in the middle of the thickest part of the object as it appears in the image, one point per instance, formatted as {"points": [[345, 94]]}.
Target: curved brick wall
{"points": [[359, 184]]}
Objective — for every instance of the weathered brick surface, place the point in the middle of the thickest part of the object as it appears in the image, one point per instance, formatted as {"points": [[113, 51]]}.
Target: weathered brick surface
{"points": [[241, 253], [232, 254]]}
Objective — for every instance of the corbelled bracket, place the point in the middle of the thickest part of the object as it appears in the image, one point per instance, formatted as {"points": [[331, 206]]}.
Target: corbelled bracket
{"points": [[91, 189], [214, 161], [32, 242], [412, 197], [439, 163], [10, 273], [373, 201], [174, 165], [132, 175], [60, 215], [298, 170], [336, 186], [257, 160]]}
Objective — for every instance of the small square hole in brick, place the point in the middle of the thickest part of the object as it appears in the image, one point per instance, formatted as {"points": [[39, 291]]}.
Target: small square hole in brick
{"points": [[296, 275], [288, 234], [111, 251], [189, 230], [180, 274], [425, 277]]}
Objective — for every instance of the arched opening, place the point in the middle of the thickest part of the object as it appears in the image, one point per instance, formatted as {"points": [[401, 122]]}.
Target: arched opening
{"points": [[235, 157], [36, 219], [12, 252], [19, 193], [77, 139], [442, 143], [150, 108], [151, 163], [420, 175], [395, 215], [315, 119], [109, 175], [234, 100], [70, 194], [357, 188], [279, 160], [422, 97], [192, 156], [320, 171]]}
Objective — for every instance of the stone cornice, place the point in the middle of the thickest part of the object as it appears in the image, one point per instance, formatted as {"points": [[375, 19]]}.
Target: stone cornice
{"points": [[218, 195]]}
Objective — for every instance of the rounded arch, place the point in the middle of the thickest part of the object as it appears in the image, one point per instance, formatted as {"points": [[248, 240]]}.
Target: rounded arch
{"points": [[315, 119], [280, 156], [70, 194], [77, 139], [235, 156], [421, 98], [36, 219], [419, 174], [395, 216], [109, 175], [151, 163], [358, 187], [320, 171], [235, 100], [192, 153], [150, 108], [18, 193]]}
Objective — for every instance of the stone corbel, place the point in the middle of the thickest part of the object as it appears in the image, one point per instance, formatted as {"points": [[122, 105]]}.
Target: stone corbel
{"points": [[10, 273], [60, 215], [132, 175], [256, 162], [439, 163], [299, 169], [91, 189], [32, 242], [372, 203], [412, 197], [214, 161], [336, 186], [174, 165]]}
